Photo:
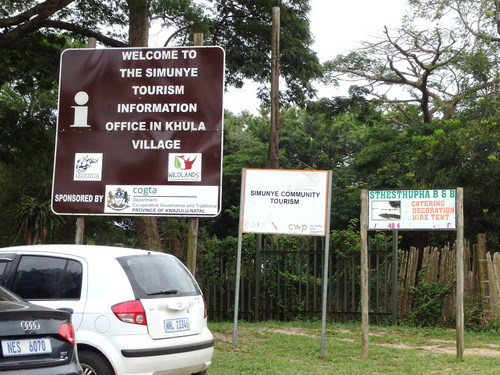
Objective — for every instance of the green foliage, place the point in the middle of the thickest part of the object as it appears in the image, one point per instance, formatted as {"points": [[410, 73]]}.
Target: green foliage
{"points": [[248, 45], [427, 302], [35, 220], [244, 131], [27, 100], [243, 27], [349, 137], [32, 62], [217, 270], [478, 316], [344, 242], [103, 231]]}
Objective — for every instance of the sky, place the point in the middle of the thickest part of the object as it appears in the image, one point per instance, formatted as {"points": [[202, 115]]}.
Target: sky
{"points": [[337, 27]]}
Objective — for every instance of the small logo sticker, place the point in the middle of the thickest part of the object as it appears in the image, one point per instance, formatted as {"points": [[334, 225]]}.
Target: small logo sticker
{"points": [[88, 167], [184, 167], [118, 199]]}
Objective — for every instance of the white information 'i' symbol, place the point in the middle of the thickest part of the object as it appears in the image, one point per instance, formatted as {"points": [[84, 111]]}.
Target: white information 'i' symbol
{"points": [[81, 110]]}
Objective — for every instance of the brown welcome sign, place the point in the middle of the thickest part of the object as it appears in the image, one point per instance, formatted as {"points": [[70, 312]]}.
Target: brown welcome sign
{"points": [[140, 132]]}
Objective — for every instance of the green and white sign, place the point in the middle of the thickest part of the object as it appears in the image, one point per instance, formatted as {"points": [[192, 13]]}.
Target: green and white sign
{"points": [[412, 209]]}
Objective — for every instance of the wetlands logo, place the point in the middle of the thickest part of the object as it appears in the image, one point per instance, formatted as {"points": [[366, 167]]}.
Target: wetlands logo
{"points": [[184, 167]]}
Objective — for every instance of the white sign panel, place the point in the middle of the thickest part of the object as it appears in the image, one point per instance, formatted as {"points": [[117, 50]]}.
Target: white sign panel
{"points": [[412, 209], [161, 200], [282, 201]]}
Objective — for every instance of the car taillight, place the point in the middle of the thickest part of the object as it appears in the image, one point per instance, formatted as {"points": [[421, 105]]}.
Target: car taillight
{"points": [[67, 332], [130, 312], [205, 313]]}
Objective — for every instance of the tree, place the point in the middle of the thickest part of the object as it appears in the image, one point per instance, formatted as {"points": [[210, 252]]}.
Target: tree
{"points": [[481, 18], [412, 60], [35, 220], [243, 27], [19, 19], [27, 101], [439, 65]]}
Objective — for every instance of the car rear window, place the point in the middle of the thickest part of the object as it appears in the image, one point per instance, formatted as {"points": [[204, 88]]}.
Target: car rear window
{"points": [[46, 278], [3, 265], [5, 259], [158, 276]]}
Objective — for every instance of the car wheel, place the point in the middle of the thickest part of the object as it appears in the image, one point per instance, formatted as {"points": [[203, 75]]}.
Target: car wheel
{"points": [[201, 373], [94, 364]]}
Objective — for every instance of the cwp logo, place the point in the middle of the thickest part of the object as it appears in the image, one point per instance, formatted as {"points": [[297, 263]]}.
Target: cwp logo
{"points": [[184, 167], [302, 228]]}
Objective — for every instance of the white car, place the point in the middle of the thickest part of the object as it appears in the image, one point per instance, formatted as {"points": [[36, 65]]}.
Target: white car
{"points": [[135, 312]]}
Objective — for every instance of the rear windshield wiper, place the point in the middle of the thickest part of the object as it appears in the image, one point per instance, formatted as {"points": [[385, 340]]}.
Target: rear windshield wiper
{"points": [[169, 291]]}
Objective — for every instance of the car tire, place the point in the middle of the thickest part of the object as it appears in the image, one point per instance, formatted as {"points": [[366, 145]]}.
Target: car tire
{"points": [[201, 373], [94, 364]]}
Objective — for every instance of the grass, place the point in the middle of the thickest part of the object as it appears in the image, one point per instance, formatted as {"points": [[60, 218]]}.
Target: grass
{"points": [[294, 348]]}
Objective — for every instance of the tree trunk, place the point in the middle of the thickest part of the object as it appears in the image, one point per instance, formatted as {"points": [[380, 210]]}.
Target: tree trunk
{"points": [[80, 228], [148, 236], [177, 250], [138, 29], [424, 102]]}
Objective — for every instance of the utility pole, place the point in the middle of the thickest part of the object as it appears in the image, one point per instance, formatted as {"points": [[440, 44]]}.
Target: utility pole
{"points": [[194, 221], [80, 220], [273, 159]]}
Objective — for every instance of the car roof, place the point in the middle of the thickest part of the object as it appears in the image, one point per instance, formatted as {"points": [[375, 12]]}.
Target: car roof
{"points": [[85, 251]]}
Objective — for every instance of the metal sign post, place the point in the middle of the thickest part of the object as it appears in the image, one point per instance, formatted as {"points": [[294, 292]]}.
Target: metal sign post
{"points": [[290, 202]]}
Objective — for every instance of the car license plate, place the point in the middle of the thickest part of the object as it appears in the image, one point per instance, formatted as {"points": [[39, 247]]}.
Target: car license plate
{"points": [[176, 325], [12, 348]]}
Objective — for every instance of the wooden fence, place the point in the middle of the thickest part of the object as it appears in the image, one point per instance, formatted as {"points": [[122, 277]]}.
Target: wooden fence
{"points": [[481, 277]]}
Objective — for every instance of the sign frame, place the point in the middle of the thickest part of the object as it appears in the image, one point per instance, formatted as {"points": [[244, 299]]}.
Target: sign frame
{"points": [[272, 196], [140, 132], [419, 209]]}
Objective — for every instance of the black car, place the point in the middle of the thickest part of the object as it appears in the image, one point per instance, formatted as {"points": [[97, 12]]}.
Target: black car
{"points": [[35, 339]]}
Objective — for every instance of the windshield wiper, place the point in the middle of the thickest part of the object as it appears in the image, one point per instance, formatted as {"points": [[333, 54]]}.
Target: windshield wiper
{"points": [[169, 291]]}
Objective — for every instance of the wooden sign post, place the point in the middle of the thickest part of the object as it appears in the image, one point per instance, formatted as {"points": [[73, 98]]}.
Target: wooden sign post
{"points": [[437, 209]]}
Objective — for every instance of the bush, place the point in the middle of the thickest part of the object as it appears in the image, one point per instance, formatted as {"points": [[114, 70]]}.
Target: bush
{"points": [[427, 302]]}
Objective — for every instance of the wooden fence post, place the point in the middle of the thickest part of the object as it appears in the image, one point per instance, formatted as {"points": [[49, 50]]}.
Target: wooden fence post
{"points": [[483, 272], [364, 273], [460, 273]]}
